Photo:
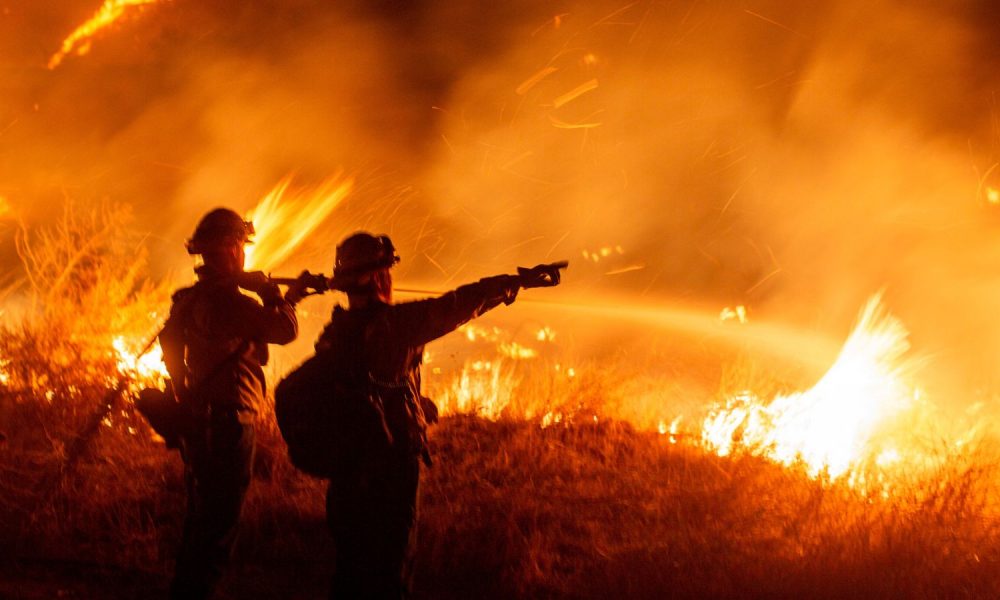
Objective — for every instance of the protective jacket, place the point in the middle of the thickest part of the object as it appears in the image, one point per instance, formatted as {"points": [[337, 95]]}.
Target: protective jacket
{"points": [[372, 508], [392, 340], [215, 341]]}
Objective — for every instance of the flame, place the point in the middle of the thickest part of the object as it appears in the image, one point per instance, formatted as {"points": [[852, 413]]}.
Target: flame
{"points": [[4, 207], [516, 351], [80, 39], [738, 314], [551, 418], [284, 218], [147, 369], [475, 333], [545, 334], [484, 388], [833, 427], [4, 376]]}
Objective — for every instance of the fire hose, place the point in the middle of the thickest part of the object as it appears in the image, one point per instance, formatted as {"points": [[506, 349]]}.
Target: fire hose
{"points": [[543, 275]]}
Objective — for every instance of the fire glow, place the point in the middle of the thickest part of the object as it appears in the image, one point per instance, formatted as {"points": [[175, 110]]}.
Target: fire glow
{"points": [[834, 427], [145, 369], [483, 388], [286, 217], [79, 41]]}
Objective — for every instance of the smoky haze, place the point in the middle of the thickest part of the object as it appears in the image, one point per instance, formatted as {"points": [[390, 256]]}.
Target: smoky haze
{"points": [[780, 155]]}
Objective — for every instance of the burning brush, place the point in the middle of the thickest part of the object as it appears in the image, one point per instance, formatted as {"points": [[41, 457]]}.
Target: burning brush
{"points": [[835, 427]]}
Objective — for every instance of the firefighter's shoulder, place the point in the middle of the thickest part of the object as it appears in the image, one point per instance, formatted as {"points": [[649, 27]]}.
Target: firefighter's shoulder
{"points": [[182, 295]]}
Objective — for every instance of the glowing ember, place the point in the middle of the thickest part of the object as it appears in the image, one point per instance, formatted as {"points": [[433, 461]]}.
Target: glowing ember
{"points": [[833, 427], [602, 253], [738, 314], [476, 333], [284, 219], [569, 371], [516, 351], [545, 335], [4, 376], [79, 41], [993, 195], [550, 419]]}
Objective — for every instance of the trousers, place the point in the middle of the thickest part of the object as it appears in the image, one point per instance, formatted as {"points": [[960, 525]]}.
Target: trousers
{"points": [[218, 467], [372, 517]]}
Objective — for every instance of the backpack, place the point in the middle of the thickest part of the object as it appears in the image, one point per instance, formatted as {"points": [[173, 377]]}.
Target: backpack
{"points": [[327, 414]]}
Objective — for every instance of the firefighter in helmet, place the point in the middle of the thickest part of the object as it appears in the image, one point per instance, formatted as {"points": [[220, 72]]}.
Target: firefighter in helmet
{"points": [[372, 504], [214, 346]]}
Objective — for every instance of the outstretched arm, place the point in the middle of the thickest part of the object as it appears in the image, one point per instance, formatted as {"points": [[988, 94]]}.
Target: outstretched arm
{"points": [[417, 323]]}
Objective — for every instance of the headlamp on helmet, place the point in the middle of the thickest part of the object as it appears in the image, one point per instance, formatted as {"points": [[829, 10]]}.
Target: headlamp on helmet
{"points": [[220, 227], [363, 253]]}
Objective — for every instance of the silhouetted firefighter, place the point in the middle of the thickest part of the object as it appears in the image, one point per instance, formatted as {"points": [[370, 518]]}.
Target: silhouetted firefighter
{"points": [[214, 345], [369, 358]]}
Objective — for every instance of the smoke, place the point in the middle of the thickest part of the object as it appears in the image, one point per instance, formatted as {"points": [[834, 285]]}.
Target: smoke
{"points": [[789, 157]]}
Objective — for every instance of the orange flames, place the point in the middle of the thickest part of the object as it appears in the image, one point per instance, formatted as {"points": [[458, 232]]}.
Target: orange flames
{"points": [[144, 369], [286, 217], [835, 426], [846, 427], [484, 388], [79, 41]]}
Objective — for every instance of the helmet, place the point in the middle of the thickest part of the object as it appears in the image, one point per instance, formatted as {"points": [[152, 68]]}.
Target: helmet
{"points": [[362, 253], [219, 227]]}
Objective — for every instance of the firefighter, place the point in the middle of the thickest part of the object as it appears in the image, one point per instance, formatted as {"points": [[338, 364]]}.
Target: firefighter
{"points": [[372, 504], [214, 346]]}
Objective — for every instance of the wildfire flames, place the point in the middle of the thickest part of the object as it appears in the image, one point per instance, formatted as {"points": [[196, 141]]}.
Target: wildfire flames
{"points": [[846, 423], [144, 369], [483, 388], [831, 429], [486, 386], [835, 426], [79, 41], [286, 217]]}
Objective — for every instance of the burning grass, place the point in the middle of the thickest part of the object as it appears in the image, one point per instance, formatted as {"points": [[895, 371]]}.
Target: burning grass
{"points": [[86, 302], [513, 510], [554, 476]]}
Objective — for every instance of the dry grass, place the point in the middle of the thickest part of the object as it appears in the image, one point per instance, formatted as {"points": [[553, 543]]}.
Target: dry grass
{"points": [[582, 509], [513, 510]]}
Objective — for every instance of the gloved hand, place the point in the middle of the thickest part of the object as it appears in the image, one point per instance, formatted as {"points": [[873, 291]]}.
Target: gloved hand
{"points": [[546, 275], [260, 284], [300, 289], [430, 410]]}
